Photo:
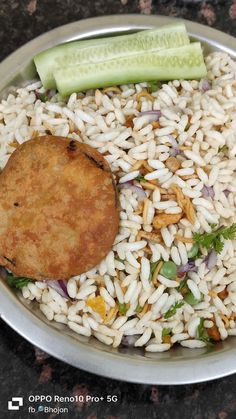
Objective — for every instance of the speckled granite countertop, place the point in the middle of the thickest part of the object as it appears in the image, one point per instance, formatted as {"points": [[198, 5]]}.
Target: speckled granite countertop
{"points": [[26, 370]]}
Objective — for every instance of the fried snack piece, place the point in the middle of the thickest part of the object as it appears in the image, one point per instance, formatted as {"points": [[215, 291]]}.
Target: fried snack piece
{"points": [[164, 220], [58, 209]]}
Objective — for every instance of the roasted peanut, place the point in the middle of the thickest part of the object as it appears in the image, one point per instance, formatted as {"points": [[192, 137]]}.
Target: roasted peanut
{"points": [[214, 333], [156, 124], [166, 339], [129, 123], [223, 294], [173, 164]]}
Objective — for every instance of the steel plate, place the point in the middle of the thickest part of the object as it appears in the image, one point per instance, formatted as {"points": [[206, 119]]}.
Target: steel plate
{"points": [[178, 366]]}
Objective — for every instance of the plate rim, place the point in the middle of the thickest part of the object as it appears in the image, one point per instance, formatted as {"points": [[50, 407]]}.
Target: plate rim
{"points": [[49, 339]]}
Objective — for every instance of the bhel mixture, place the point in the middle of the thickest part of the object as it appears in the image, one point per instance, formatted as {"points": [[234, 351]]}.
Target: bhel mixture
{"points": [[170, 276]]}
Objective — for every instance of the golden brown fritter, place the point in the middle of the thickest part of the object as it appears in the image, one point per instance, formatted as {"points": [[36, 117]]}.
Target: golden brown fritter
{"points": [[58, 209]]}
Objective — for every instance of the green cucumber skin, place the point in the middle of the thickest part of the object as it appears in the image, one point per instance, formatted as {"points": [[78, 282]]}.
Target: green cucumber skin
{"points": [[178, 63], [101, 49]]}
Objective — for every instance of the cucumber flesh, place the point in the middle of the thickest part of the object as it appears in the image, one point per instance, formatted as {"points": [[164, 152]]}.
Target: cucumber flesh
{"points": [[185, 62], [98, 50]]}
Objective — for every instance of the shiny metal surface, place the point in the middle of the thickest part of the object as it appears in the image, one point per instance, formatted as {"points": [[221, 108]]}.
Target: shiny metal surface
{"points": [[178, 366]]}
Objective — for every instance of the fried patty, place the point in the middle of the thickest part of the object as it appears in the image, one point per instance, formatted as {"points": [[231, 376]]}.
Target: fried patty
{"points": [[58, 209]]}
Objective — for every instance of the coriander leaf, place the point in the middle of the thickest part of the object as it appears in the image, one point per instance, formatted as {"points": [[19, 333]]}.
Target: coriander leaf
{"points": [[43, 97], [119, 260], [223, 149], [218, 244], [166, 331], [153, 86], [122, 309], [207, 340], [202, 333], [153, 266], [200, 329], [229, 232], [140, 178], [16, 282], [214, 240], [173, 309], [204, 239], [182, 284], [198, 255], [138, 309], [213, 226]]}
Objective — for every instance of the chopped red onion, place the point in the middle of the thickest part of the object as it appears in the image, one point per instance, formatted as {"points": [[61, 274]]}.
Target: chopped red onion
{"points": [[190, 266], [135, 189], [206, 85], [37, 94], [129, 340], [173, 152], [226, 192], [59, 286], [211, 259], [208, 192], [126, 185], [181, 275], [154, 115], [63, 285], [51, 93], [175, 146]]}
